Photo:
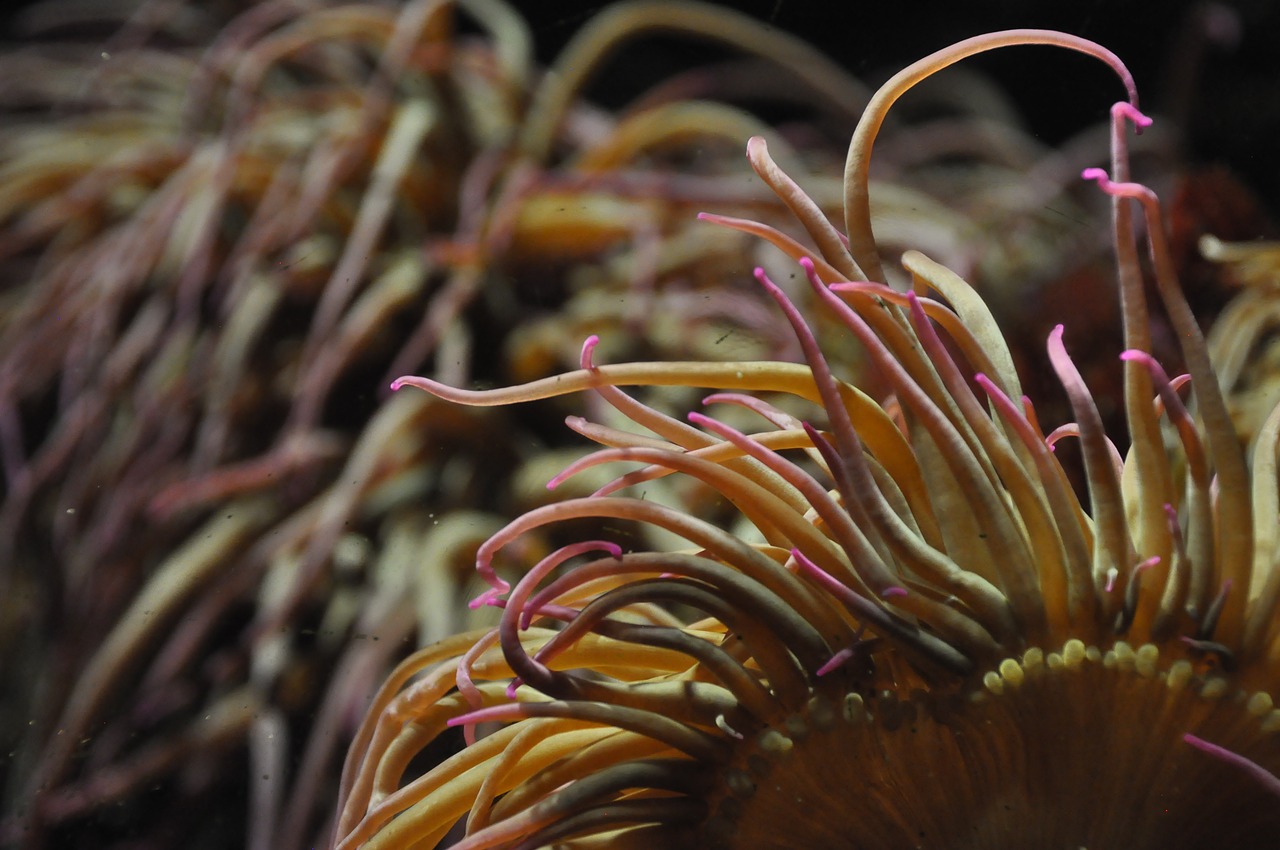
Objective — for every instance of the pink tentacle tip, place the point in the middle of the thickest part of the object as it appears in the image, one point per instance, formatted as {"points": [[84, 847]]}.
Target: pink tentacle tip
{"points": [[1201, 743], [702, 420], [1257, 772], [893, 592], [1056, 347], [836, 661], [412, 381], [1127, 110], [588, 349], [1098, 175], [491, 598]]}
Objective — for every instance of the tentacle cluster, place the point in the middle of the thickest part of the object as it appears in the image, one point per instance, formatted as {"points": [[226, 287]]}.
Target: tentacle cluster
{"points": [[923, 562]]}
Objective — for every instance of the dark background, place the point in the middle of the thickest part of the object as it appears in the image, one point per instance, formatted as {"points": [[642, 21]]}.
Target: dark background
{"points": [[1231, 95], [1232, 99]]}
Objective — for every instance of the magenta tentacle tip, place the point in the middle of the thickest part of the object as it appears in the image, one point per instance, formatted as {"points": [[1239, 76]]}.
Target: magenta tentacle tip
{"points": [[1199, 743], [414, 381], [460, 720], [480, 715], [588, 349], [1139, 119], [836, 661], [807, 563], [1122, 190], [917, 308], [491, 598], [1098, 175], [1256, 771]]}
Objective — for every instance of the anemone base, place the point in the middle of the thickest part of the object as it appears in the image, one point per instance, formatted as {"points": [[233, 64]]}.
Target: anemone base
{"points": [[1077, 749]]}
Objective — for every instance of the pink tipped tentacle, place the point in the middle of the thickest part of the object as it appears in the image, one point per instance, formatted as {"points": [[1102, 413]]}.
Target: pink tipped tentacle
{"points": [[1178, 577], [1010, 462], [1101, 473], [466, 684], [857, 205], [612, 437], [515, 617], [1177, 413], [1255, 771], [1234, 533], [774, 415], [954, 324], [866, 564], [527, 585], [1057, 490], [837, 661], [1132, 592], [1199, 502], [830, 243], [777, 238], [1146, 442], [873, 614], [664, 426]]}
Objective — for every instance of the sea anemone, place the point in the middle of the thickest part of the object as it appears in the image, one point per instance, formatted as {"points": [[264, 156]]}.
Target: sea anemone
{"points": [[920, 635]]}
